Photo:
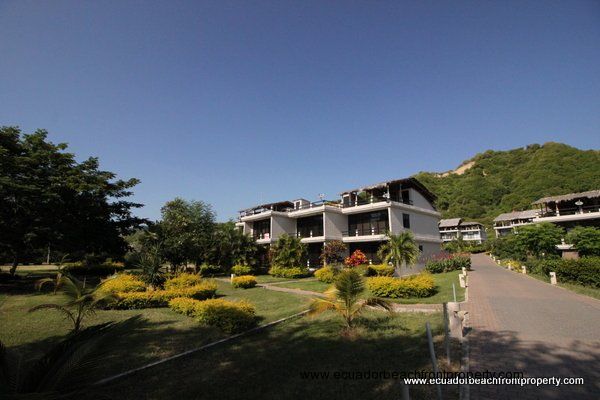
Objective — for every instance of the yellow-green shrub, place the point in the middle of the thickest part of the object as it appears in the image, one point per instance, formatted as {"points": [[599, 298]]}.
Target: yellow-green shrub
{"points": [[380, 270], [244, 281], [241, 270], [289, 273], [326, 274], [421, 285], [123, 283], [181, 281], [229, 316], [161, 298]]}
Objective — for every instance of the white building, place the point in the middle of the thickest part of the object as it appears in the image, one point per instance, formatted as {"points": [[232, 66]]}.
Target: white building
{"points": [[360, 218], [453, 228], [568, 211]]}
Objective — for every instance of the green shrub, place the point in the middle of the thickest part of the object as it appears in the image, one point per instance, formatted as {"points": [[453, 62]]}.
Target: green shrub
{"points": [[584, 271], [241, 270], [103, 269], [362, 269], [447, 263], [210, 270], [243, 282], [326, 274], [229, 316], [183, 280], [421, 285], [123, 283], [161, 298], [289, 273], [380, 270]]}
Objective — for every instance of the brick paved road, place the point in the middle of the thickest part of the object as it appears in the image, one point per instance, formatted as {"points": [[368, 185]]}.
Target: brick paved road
{"points": [[521, 324]]}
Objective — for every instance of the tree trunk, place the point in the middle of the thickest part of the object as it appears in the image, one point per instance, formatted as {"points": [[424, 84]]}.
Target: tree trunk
{"points": [[15, 262]]}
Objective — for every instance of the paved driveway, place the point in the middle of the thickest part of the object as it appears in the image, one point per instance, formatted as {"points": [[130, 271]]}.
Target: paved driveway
{"points": [[521, 324]]}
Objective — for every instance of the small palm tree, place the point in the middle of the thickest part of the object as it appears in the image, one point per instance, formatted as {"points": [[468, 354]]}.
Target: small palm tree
{"points": [[66, 368], [399, 249], [345, 298], [82, 301]]}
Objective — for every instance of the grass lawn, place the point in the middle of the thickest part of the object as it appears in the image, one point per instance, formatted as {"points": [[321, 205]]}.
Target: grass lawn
{"points": [[271, 364], [271, 279], [312, 285], [163, 332], [584, 290]]}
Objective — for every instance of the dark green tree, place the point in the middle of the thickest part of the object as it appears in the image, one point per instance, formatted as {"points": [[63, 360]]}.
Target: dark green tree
{"points": [[586, 240], [334, 252], [49, 200], [230, 246], [539, 240], [288, 252], [186, 231]]}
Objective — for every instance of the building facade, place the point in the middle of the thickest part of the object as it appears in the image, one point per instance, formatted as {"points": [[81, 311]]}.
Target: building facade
{"points": [[360, 218], [454, 228], [567, 211]]}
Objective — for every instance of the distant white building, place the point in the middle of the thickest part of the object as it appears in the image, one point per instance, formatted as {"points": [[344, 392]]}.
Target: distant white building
{"points": [[568, 211], [453, 228]]}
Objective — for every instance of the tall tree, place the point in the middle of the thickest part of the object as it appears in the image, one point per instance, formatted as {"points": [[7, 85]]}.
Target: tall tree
{"points": [[48, 199], [186, 231], [288, 252], [230, 246], [586, 240], [399, 249], [539, 239]]}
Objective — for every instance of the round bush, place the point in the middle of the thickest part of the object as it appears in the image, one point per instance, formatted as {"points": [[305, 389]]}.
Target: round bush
{"points": [[241, 270], [326, 274], [243, 282], [380, 270], [229, 316], [183, 280], [124, 283]]}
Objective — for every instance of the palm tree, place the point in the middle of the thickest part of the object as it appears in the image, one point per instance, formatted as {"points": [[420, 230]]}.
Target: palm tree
{"points": [[399, 249], [67, 367], [345, 298], [288, 252], [82, 301]]}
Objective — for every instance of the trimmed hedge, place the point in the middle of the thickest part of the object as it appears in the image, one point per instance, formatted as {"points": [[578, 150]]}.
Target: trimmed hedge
{"points": [[210, 270], [229, 316], [326, 274], [241, 270], [104, 269], [380, 270], [243, 282], [289, 273], [421, 285], [448, 263], [182, 281], [123, 283], [161, 298], [584, 271]]}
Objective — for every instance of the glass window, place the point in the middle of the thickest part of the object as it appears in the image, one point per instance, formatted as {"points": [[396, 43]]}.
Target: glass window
{"points": [[406, 220]]}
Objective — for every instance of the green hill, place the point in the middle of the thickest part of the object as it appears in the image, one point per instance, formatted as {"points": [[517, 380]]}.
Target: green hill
{"points": [[501, 181]]}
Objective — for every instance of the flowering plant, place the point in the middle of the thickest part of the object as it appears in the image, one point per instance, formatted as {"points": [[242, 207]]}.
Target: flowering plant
{"points": [[357, 258]]}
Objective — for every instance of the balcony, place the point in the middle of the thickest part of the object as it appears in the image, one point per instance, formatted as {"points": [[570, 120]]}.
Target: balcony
{"points": [[372, 233], [571, 211], [309, 233]]}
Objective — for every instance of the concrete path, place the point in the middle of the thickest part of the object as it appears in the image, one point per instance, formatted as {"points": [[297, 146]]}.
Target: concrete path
{"points": [[521, 324]]}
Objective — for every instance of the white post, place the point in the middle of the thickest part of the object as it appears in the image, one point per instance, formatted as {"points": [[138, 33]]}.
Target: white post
{"points": [[433, 359], [232, 276], [523, 269], [553, 278], [464, 271], [462, 281]]}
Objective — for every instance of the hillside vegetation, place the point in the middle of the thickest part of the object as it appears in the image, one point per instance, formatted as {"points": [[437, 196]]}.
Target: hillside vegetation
{"points": [[502, 181]]}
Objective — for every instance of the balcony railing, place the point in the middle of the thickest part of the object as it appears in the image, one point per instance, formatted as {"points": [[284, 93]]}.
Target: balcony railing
{"points": [[374, 199], [373, 230], [314, 204], [309, 233], [571, 211], [260, 236]]}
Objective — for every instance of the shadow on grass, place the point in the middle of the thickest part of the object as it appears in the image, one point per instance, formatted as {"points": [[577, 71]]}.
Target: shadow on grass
{"points": [[280, 362], [504, 351]]}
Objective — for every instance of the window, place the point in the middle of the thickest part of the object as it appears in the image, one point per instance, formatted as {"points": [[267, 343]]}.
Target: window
{"points": [[368, 223], [406, 220], [406, 196], [420, 248]]}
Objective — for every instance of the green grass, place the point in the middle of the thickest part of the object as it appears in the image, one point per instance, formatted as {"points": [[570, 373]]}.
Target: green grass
{"points": [[270, 279], [163, 332], [312, 285], [580, 289], [444, 294], [270, 364]]}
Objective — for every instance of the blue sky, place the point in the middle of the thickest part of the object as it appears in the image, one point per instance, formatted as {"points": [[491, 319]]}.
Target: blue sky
{"points": [[239, 102]]}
